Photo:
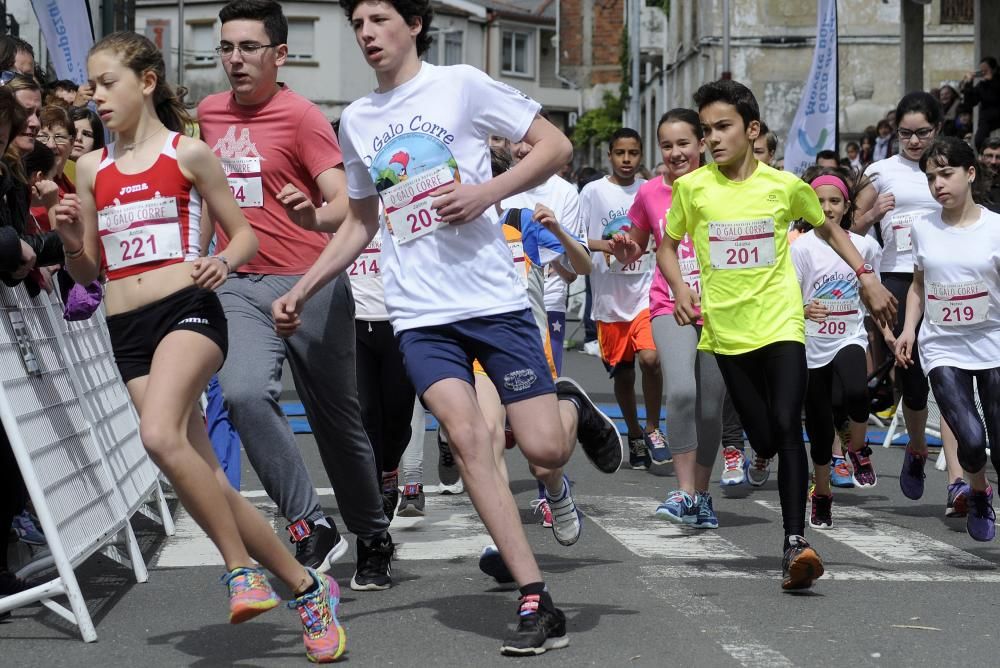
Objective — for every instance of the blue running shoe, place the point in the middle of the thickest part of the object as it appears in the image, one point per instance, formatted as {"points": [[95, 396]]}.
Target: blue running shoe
{"points": [[958, 499], [26, 529], [679, 508], [981, 522], [656, 445], [840, 474], [491, 563], [911, 477], [707, 519]]}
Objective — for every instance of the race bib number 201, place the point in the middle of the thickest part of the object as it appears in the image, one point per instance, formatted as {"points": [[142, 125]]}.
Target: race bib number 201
{"points": [[745, 244]]}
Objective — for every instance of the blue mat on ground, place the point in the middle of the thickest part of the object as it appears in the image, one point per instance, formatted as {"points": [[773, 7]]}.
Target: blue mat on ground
{"points": [[295, 413]]}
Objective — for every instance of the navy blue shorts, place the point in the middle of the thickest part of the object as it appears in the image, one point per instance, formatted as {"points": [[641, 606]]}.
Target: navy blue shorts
{"points": [[507, 345]]}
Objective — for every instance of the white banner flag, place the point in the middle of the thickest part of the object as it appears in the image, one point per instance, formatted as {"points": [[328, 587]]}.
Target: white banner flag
{"points": [[68, 35], [815, 126]]}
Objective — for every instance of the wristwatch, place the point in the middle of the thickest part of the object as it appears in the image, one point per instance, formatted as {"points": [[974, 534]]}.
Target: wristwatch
{"points": [[864, 269]]}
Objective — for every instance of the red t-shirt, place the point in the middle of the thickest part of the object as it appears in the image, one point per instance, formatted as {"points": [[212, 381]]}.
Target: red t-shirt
{"points": [[284, 140]]}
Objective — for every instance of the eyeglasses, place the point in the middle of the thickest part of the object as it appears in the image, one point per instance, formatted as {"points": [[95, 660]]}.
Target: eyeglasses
{"points": [[7, 76], [922, 133], [245, 48], [58, 140]]}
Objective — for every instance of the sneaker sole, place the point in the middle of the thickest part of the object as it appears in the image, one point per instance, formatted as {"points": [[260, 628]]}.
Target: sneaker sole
{"points": [[673, 519], [550, 643], [657, 462], [410, 511], [609, 421], [804, 571], [252, 610], [849, 484], [821, 527], [858, 483], [457, 488], [339, 550], [640, 467], [754, 483], [371, 586], [704, 527], [732, 483]]}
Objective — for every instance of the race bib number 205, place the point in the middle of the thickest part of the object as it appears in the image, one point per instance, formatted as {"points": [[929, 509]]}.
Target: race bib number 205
{"points": [[408, 204]]}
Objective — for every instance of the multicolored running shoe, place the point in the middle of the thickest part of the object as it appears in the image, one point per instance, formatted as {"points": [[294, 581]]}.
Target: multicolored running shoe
{"points": [[250, 594], [322, 633]]}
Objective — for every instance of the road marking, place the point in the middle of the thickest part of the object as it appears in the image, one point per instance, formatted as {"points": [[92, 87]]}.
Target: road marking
{"points": [[450, 529], [630, 520], [833, 573], [741, 645], [890, 544]]}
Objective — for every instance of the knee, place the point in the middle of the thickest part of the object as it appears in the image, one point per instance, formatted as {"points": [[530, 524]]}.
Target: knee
{"points": [[246, 393], [820, 454], [649, 361], [161, 440], [972, 457]]}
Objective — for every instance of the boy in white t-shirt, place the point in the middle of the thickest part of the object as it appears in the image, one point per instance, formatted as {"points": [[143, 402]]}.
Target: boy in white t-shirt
{"points": [[621, 298], [451, 289]]}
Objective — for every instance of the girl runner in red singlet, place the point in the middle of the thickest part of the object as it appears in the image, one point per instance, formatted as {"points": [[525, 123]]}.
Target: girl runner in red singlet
{"points": [[136, 219]]}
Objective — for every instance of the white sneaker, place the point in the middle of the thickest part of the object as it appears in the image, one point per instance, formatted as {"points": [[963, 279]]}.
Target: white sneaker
{"points": [[457, 488], [567, 522], [592, 348], [759, 471], [734, 467]]}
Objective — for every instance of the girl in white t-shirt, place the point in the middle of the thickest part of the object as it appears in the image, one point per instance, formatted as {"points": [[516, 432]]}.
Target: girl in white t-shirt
{"points": [[956, 289], [836, 341], [894, 200]]}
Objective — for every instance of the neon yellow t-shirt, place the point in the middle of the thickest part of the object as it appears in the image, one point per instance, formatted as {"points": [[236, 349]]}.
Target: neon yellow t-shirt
{"points": [[750, 296]]}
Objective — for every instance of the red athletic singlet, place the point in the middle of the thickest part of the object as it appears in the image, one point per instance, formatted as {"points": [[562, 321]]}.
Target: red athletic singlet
{"points": [[147, 220]]}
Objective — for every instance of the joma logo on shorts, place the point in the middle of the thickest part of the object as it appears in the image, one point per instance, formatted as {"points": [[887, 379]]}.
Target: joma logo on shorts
{"points": [[193, 321], [519, 381], [139, 187]]}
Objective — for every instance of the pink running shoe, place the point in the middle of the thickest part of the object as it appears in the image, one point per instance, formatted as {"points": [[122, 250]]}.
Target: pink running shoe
{"points": [[324, 637], [250, 594]]}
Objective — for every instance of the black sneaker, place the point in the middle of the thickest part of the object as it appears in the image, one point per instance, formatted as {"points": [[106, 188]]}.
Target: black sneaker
{"points": [[801, 565], [447, 470], [413, 501], [596, 432], [317, 546], [374, 571], [11, 584], [540, 627]]}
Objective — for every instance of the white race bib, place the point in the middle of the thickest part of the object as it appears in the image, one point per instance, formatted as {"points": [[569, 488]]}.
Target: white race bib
{"points": [[408, 204], [902, 224], [691, 273], [957, 304], [520, 260], [641, 265], [841, 319], [366, 267], [743, 244], [140, 232], [244, 179]]}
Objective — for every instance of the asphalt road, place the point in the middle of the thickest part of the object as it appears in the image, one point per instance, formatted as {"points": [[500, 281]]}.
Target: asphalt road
{"points": [[905, 587]]}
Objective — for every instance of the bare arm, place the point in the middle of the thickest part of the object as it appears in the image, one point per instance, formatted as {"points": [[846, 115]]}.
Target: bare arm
{"points": [[686, 302], [880, 302], [327, 218], [578, 258], [870, 208], [75, 220]]}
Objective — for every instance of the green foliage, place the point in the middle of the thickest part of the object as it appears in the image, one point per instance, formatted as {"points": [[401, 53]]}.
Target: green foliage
{"points": [[600, 123]]}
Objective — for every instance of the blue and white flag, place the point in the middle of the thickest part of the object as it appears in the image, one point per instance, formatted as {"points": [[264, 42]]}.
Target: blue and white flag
{"points": [[815, 126], [68, 35]]}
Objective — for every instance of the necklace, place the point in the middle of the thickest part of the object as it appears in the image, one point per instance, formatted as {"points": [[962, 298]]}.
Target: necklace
{"points": [[129, 147]]}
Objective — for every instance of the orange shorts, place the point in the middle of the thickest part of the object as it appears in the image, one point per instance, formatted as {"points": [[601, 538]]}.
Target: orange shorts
{"points": [[619, 341]]}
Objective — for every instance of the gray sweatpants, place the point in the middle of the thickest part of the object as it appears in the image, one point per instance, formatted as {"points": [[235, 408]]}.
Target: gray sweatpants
{"points": [[693, 387], [321, 357]]}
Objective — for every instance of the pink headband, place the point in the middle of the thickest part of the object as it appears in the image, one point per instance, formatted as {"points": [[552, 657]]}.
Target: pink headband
{"points": [[831, 180]]}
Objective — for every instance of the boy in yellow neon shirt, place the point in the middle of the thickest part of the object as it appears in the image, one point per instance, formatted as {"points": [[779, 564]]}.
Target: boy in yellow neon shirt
{"points": [[737, 212]]}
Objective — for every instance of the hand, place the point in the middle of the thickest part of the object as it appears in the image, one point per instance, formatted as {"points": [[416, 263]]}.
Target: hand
{"points": [[28, 259], [816, 311], [904, 348], [545, 217], [84, 94], [879, 301], [286, 311], [46, 193], [67, 223], [298, 206], [458, 203], [687, 306], [885, 203], [624, 248], [209, 272], [45, 281]]}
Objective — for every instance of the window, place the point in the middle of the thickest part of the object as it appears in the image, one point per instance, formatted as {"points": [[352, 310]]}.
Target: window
{"points": [[516, 57], [202, 48], [446, 49], [958, 11], [301, 39]]}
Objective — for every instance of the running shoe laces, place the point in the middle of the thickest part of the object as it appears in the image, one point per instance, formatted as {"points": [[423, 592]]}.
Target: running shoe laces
{"points": [[733, 457], [244, 580], [917, 467], [313, 611], [983, 506]]}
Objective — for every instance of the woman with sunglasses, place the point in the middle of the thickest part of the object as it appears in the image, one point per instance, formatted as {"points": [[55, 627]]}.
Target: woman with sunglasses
{"points": [[896, 198]]}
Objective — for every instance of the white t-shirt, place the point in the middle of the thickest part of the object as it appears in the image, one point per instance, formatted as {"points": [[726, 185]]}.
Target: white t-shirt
{"points": [[366, 282], [412, 140], [961, 325], [908, 184], [561, 196], [620, 293], [824, 276]]}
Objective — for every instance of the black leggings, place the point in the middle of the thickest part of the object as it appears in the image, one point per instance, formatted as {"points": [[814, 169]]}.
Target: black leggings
{"points": [[385, 392], [837, 388], [955, 397], [13, 495], [767, 386], [911, 381]]}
